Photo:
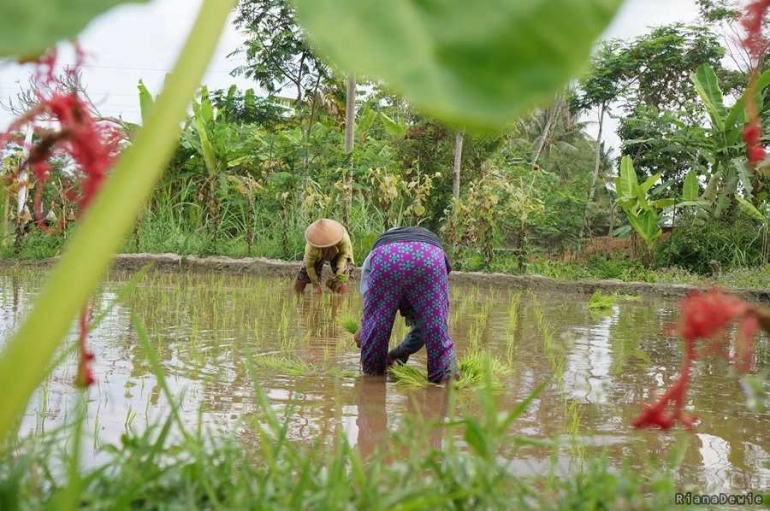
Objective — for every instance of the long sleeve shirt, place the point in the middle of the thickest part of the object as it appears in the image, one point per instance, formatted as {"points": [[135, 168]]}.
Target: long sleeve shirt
{"points": [[342, 252]]}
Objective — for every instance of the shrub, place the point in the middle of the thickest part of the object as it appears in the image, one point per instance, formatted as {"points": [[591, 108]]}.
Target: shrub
{"points": [[694, 245]]}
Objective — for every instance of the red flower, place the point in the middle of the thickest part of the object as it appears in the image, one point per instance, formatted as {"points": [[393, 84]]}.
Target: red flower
{"points": [[704, 317], [92, 146], [85, 375], [756, 45]]}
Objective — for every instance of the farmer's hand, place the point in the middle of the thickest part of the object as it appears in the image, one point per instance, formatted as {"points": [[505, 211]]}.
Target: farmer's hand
{"points": [[318, 288], [357, 338]]}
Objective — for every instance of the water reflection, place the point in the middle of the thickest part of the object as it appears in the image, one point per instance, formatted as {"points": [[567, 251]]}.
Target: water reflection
{"points": [[206, 329]]}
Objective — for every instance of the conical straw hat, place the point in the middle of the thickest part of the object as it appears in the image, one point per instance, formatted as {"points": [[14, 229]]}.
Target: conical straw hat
{"points": [[324, 233]]}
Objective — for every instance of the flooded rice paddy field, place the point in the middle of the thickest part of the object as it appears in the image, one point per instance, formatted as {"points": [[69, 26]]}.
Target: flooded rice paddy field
{"points": [[214, 332]]}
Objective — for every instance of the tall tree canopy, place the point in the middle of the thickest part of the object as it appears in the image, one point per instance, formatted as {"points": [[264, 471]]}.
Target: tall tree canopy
{"points": [[278, 55]]}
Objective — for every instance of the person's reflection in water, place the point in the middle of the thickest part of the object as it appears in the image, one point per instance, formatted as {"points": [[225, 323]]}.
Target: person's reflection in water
{"points": [[428, 410], [372, 419], [319, 314], [424, 418]]}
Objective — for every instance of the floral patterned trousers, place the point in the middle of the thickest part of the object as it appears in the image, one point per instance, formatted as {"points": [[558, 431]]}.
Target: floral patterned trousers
{"points": [[412, 274]]}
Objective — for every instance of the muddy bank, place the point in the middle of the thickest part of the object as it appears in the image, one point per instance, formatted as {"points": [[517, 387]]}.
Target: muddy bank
{"points": [[263, 267]]}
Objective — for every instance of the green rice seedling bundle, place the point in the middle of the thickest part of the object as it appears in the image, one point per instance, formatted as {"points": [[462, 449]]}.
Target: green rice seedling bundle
{"points": [[601, 302], [472, 368], [350, 324], [289, 365]]}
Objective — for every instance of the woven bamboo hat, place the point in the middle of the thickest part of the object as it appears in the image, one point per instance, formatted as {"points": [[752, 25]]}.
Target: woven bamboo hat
{"points": [[324, 233]]}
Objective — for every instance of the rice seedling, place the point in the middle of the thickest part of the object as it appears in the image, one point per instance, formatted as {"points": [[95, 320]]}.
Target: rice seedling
{"points": [[292, 366], [601, 302], [327, 354], [409, 376], [513, 320], [476, 365], [473, 369], [350, 324]]}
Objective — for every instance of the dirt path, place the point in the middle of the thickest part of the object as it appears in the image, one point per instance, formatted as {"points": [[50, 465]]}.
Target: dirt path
{"points": [[277, 268]]}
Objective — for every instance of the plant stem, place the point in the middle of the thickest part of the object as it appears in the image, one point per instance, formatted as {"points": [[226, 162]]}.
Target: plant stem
{"points": [[106, 224]]}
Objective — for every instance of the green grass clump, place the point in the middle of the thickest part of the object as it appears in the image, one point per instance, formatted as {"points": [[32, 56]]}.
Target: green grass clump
{"points": [[289, 365], [474, 366], [409, 376], [601, 302], [350, 324], [473, 370]]}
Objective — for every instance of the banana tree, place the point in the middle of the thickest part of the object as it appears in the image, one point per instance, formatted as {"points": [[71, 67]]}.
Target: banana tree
{"points": [[635, 201], [762, 217], [208, 137], [728, 163]]}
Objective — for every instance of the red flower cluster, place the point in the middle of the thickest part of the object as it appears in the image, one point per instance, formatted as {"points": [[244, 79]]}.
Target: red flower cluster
{"points": [[92, 146], [752, 134], [704, 317], [756, 45], [85, 375]]}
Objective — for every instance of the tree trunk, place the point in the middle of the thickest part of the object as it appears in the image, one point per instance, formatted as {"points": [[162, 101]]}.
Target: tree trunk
{"points": [[553, 112], [350, 117], [6, 214], [250, 221], [595, 175], [311, 120], [458, 164], [213, 204]]}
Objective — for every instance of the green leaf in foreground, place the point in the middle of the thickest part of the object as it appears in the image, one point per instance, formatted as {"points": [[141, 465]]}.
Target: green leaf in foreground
{"points": [[106, 223], [476, 63], [28, 28]]}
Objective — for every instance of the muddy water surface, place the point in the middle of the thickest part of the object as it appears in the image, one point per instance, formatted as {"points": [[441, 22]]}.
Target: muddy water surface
{"points": [[206, 329]]}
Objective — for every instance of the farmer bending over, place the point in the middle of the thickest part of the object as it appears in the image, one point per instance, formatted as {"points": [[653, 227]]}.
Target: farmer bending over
{"points": [[327, 240], [406, 270]]}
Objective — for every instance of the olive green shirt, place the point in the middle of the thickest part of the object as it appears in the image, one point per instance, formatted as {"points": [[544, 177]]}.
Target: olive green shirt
{"points": [[343, 251]]}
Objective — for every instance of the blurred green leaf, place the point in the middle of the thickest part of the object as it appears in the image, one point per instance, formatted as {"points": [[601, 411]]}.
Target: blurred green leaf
{"points": [[474, 63], [707, 86], [664, 203], [748, 208], [29, 28], [650, 182], [476, 438], [145, 101], [690, 188], [626, 181], [394, 128], [646, 224], [711, 188]]}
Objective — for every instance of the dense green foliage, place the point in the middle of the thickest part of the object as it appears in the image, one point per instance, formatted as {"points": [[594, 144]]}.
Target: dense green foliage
{"points": [[251, 171]]}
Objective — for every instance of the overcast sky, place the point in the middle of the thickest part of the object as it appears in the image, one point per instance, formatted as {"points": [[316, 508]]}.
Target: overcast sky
{"points": [[136, 42]]}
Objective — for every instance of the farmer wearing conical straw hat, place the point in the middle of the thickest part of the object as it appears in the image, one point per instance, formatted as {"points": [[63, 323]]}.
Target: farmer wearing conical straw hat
{"points": [[327, 240]]}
